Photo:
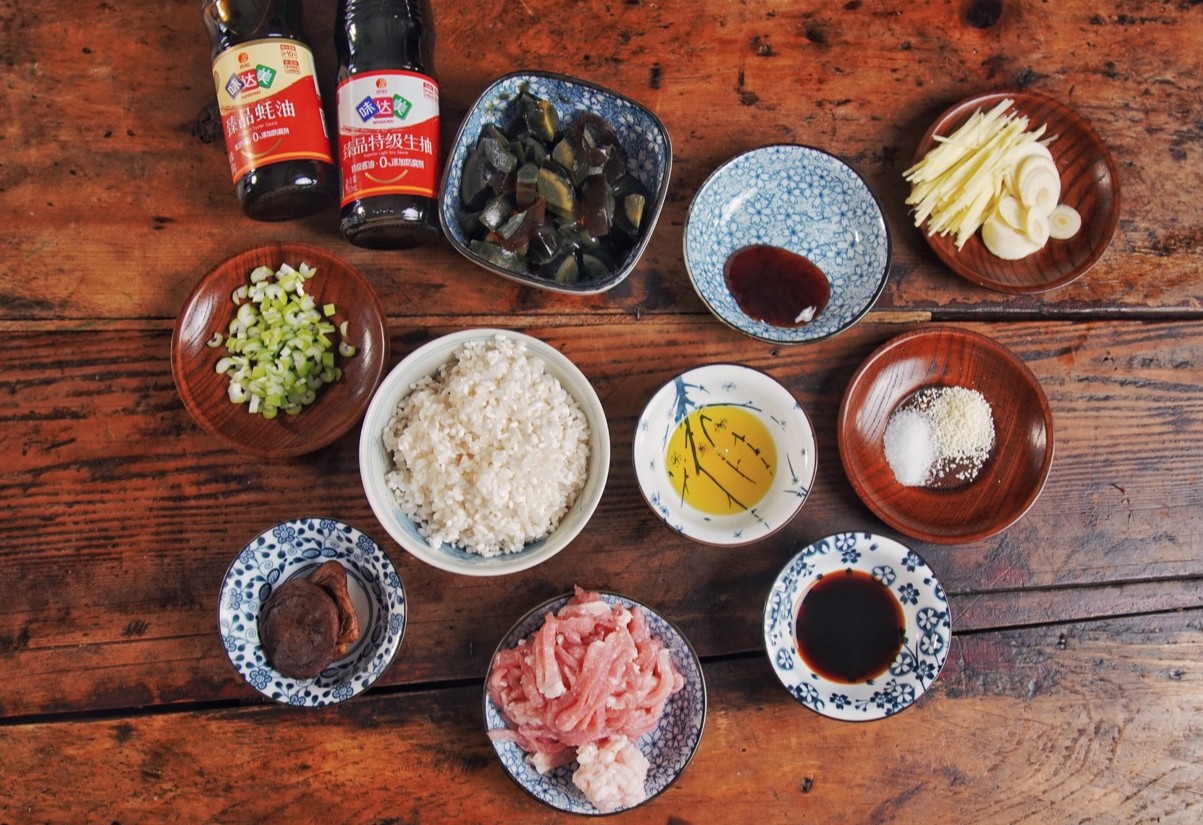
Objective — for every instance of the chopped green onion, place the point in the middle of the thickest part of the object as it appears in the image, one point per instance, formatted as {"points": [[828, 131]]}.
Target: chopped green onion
{"points": [[279, 352]]}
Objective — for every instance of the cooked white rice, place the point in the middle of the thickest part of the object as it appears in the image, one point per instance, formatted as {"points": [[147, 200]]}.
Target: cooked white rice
{"points": [[489, 454]]}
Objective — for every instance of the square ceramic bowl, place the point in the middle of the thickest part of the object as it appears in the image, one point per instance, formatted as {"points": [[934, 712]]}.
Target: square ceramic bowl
{"points": [[375, 461], [642, 135]]}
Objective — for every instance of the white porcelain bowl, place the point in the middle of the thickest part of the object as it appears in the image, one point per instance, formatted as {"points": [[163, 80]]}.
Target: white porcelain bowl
{"points": [[375, 462], [716, 386]]}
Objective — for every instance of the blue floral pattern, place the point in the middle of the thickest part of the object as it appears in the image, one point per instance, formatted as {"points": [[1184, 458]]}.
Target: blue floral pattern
{"points": [[669, 748], [926, 637], [800, 199], [778, 410], [297, 548], [649, 156]]}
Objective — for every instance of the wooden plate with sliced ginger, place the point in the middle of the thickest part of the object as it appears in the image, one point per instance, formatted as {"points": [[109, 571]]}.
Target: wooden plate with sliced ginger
{"points": [[1089, 184]]}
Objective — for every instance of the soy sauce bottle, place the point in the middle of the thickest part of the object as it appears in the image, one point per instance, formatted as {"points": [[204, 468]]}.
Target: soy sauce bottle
{"points": [[271, 108], [388, 123]]}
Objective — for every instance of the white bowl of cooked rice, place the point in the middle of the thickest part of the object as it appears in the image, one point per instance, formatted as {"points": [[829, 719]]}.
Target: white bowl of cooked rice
{"points": [[484, 452]]}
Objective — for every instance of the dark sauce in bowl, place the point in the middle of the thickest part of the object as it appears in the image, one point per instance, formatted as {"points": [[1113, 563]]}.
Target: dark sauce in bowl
{"points": [[850, 627], [776, 286]]}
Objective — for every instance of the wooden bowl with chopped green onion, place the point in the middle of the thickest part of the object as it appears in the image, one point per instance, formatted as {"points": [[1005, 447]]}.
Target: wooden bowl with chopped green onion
{"points": [[300, 354], [946, 435], [1089, 185]]}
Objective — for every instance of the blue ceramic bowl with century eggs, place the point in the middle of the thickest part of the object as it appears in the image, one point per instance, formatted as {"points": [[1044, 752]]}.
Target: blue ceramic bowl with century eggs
{"points": [[641, 134], [798, 199]]}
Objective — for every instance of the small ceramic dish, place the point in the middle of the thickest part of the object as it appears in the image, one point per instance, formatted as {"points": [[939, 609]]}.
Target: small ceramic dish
{"points": [[1011, 478], [639, 131], [1089, 183], [663, 464], [210, 308], [375, 462], [297, 548], [669, 748], [926, 635], [802, 200]]}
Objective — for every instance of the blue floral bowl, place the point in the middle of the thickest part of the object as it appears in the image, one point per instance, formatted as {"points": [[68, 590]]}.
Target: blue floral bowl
{"points": [[800, 199], [641, 133], [297, 548], [717, 386], [925, 642], [669, 748]]}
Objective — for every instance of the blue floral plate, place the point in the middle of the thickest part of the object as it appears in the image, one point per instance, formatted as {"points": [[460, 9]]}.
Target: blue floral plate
{"points": [[642, 135], [669, 748], [725, 385], [297, 548], [800, 199], [926, 637]]}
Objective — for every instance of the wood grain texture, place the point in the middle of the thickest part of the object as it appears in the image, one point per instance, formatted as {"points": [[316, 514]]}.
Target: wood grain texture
{"points": [[124, 515], [1094, 722], [111, 168]]}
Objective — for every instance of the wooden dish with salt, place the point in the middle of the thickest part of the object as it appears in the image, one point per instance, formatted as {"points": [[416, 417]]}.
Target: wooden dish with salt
{"points": [[1011, 477]]}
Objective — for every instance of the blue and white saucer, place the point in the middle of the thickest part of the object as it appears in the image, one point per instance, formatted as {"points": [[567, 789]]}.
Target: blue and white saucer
{"points": [[795, 198], [669, 748], [719, 385], [925, 643], [297, 548]]}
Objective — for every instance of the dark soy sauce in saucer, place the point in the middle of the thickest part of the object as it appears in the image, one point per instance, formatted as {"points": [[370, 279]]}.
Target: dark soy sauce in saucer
{"points": [[849, 627], [776, 286]]}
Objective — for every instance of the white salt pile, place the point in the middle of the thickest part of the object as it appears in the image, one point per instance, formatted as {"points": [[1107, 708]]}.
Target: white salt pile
{"points": [[940, 430]]}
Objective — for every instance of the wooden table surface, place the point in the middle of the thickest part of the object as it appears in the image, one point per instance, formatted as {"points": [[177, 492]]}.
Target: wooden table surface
{"points": [[1074, 688]]}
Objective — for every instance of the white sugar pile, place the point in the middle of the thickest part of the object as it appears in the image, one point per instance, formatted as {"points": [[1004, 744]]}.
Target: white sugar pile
{"points": [[490, 454], [940, 430]]}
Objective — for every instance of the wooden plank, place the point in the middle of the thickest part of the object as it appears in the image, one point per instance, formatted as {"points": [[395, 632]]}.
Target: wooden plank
{"points": [[120, 201], [1094, 722], [123, 515]]}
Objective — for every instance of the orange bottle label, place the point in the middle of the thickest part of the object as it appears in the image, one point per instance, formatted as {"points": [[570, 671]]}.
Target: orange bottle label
{"points": [[271, 109], [388, 135]]}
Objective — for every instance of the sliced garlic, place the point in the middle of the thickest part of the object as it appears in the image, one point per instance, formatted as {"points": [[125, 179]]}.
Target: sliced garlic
{"points": [[1005, 242], [1064, 222], [1010, 211], [1036, 226]]}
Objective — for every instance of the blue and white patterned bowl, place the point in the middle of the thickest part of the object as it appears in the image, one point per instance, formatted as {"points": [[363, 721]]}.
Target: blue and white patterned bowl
{"points": [[775, 406], [641, 133], [375, 462], [800, 199], [297, 548], [925, 643], [669, 748]]}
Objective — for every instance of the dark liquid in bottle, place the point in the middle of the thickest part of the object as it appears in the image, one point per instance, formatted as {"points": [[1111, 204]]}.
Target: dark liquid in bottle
{"points": [[776, 286], [850, 627], [286, 189], [377, 36]]}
